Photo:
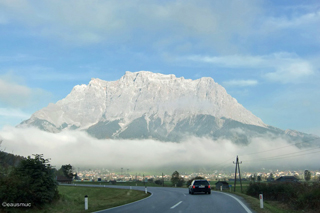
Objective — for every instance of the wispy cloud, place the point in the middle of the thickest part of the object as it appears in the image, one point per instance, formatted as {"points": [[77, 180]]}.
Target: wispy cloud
{"points": [[113, 21], [240, 83], [230, 61], [43, 73], [18, 58], [294, 25], [282, 67], [296, 21], [292, 72], [13, 94], [12, 112]]}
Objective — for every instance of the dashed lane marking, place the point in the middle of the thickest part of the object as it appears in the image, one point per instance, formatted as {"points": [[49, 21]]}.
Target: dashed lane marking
{"points": [[176, 205]]}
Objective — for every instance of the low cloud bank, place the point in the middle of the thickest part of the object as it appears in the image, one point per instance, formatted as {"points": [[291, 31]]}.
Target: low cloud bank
{"points": [[79, 149]]}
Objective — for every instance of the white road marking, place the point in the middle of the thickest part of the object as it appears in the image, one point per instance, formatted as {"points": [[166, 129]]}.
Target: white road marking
{"points": [[176, 205], [244, 206]]}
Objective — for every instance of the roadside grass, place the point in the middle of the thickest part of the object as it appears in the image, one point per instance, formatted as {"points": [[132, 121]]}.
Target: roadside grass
{"points": [[268, 206], [129, 183], [72, 199], [254, 203]]}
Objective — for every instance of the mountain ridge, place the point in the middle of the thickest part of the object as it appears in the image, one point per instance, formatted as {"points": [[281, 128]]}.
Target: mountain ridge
{"points": [[151, 105]]}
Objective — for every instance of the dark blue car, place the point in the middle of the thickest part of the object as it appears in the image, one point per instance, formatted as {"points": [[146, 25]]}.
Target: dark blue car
{"points": [[200, 186]]}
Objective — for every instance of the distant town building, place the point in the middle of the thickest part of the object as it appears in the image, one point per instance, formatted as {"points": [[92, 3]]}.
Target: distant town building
{"points": [[287, 179], [63, 179]]}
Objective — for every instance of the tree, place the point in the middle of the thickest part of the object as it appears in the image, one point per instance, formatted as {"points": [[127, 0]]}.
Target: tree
{"points": [[159, 182], [251, 178], [76, 177], [65, 170], [259, 178], [32, 181], [196, 178], [176, 179], [307, 175], [271, 176]]}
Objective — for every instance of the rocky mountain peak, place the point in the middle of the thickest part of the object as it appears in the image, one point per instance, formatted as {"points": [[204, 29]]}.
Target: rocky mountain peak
{"points": [[152, 97]]}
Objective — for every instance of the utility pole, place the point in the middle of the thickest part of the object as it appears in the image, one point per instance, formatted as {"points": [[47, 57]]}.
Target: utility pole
{"points": [[235, 174], [162, 180]]}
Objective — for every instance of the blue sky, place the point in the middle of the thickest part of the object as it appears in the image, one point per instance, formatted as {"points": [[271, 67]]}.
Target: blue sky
{"points": [[265, 53]]}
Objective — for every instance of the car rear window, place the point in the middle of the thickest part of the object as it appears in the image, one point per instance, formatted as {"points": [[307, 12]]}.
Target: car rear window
{"points": [[198, 183]]}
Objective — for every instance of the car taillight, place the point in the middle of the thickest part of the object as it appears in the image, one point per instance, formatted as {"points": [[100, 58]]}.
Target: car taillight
{"points": [[193, 187], [209, 186]]}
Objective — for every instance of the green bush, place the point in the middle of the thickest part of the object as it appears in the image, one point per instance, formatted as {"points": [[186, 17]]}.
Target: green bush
{"points": [[159, 182], [309, 198], [283, 192], [297, 195], [32, 181]]}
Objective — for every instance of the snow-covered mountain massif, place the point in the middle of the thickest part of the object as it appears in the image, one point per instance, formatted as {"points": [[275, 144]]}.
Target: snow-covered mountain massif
{"points": [[151, 105]]}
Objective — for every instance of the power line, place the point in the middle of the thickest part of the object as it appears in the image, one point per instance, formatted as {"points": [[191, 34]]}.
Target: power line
{"points": [[225, 164], [222, 164], [254, 153], [290, 155]]}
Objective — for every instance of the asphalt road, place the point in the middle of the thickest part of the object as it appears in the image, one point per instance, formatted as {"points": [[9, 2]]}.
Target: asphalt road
{"points": [[167, 199]]}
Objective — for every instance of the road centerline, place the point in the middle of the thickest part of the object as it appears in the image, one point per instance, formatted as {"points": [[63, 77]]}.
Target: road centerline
{"points": [[176, 205]]}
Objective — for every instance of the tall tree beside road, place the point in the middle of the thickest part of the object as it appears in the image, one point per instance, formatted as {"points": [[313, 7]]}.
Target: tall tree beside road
{"points": [[176, 179]]}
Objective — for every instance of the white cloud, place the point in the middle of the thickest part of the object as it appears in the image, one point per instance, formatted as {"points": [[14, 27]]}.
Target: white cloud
{"points": [[11, 112], [240, 83], [108, 21], [231, 61], [282, 66], [15, 95], [77, 148], [293, 72], [175, 25], [295, 25], [307, 19]]}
